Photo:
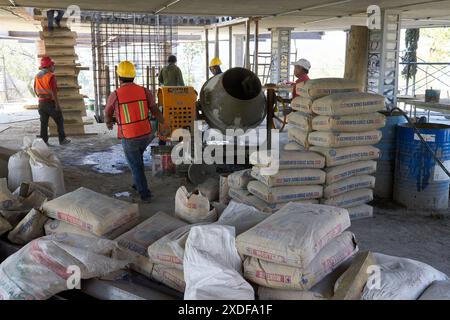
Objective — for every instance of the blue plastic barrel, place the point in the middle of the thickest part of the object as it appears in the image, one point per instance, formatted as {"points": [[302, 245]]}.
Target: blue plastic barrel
{"points": [[419, 182]]}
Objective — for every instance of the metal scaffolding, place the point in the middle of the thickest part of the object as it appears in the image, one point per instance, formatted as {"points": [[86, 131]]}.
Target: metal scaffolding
{"points": [[144, 39]]}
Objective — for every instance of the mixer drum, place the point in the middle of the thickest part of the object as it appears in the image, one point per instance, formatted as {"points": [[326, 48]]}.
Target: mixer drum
{"points": [[233, 100]]}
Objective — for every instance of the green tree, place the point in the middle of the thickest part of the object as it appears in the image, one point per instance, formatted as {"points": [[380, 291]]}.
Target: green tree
{"points": [[191, 51], [440, 43]]}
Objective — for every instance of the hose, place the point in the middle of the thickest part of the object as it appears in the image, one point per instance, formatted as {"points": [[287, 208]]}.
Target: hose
{"points": [[422, 139]]}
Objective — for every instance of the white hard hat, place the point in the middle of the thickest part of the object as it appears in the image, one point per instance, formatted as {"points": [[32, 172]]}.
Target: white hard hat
{"points": [[302, 63]]}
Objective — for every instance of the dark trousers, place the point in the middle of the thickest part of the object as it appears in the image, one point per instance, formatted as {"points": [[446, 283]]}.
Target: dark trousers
{"points": [[51, 16], [134, 152], [47, 109]]}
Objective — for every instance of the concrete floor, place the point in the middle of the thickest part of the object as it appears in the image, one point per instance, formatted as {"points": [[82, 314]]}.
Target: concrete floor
{"points": [[393, 230]]}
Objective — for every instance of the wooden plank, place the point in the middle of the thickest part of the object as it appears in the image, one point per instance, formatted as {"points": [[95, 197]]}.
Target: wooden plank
{"points": [[67, 81], [58, 51], [58, 33], [356, 58], [59, 42]]}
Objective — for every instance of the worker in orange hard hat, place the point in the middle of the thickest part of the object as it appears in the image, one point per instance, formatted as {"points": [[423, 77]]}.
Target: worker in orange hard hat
{"points": [[214, 66], [132, 105], [46, 90]]}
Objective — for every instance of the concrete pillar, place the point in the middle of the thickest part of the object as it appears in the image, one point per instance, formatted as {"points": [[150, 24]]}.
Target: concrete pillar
{"points": [[238, 50], [356, 55], [280, 52]]}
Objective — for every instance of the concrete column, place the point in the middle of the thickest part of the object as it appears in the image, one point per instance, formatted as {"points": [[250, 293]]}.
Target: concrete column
{"points": [[239, 50], [356, 55], [280, 51]]}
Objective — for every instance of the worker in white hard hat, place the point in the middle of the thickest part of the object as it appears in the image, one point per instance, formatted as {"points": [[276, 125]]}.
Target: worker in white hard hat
{"points": [[301, 70]]}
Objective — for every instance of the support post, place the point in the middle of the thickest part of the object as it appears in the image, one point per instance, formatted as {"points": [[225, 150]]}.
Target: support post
{"points": [[270, 113], [230, 46], [207, 53], [280, 54], [147, 77], [216, 44], [356, 57], [255, 54], [247, 44], [239, 50]]}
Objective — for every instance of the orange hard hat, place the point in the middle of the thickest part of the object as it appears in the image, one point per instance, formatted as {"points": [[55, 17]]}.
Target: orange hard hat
{"points": [[46, 62]]}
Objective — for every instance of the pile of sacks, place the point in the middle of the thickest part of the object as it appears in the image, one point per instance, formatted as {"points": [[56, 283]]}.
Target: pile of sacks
{"points": [[338, 121]]}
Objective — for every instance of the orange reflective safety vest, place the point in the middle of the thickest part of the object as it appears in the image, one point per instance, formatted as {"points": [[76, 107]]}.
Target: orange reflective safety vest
{"points": [[133, 118], [42, 84]]}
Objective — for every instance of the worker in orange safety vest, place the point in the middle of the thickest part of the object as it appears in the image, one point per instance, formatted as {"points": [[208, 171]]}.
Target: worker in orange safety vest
{"points": [[131, 105]]}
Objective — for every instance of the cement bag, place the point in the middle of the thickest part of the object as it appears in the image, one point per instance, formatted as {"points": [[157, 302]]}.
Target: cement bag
{"points": [[350, 199], [193, 208], [316, 88], [288, 160], [169, 250], [290, 177], [340, 156], [210, 189], [246, 197], [301, 120], [352, 169], [284, 193], [59, 227], [350, 103], [302, 104], [352, 123], [5, 226], [45, 166], [360, 212], [273, 275], [293, 146], [14, 216], [241, 216], [30, 228], [212, 266], [298, 135], [19, 170], [224, 198], [438, 290], [343, 139], [26, 189], [239, 179], [401, 279], [91, 211], [7, 200], [294, 235], [173, 278], [136, 241], [347, 185], [34, 200], [40, 269]]}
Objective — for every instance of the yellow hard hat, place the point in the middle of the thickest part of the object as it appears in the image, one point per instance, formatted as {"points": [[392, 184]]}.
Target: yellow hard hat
{"points": [[126, 69], [215, 62]]}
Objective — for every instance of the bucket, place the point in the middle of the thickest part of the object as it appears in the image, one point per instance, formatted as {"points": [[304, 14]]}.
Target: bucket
{"points": [[419, 182]]}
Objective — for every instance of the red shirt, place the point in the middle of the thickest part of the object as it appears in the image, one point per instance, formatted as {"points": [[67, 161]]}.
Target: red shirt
{"points": [[112, 106], [303, 78]]}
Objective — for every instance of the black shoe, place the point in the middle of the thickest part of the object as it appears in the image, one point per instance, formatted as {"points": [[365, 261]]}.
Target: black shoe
{"points": [[65, 141]]}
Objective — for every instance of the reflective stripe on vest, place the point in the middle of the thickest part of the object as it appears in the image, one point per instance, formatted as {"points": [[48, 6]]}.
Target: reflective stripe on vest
{"points": [[133, 120]]}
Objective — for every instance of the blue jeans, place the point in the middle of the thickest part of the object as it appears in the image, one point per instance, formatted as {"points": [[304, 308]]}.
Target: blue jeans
{"points": [[51, 16], [134, 152]]}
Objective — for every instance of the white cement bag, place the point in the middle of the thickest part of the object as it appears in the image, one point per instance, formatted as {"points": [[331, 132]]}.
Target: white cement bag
{"points": [[241, 216], [288, 160], [316, 88], [350, 103], [212, 266], [40, 269], [91, 211], [352, 169], [293, 146], [136, 241], [360, 212], [294, 235], [224, 198], [45, 166], [350, 184], [284, 193], [301, 120], [193, 207], [332, 139], [5, 226], [30, 228], [298, 135], [401, 279], [352, 123], [302, 104], [246, 197], [239, 179], [210, 189], [350, 199], [340, 156], [438, 290], [290, 177], [273, 275], [19, 170], [171, 277], [169, 250], [7, 200]]}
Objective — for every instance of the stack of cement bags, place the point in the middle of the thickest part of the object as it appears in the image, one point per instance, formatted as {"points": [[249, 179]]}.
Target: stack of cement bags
{"points": [[343, 125], [296, 247]]}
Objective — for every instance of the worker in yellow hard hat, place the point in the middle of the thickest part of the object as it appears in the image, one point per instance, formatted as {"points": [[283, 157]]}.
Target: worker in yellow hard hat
{"points": [[214, 66], [132, 106]]}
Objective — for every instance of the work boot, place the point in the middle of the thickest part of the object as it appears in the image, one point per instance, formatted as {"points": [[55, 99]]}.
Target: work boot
{"points": [[65, 141]]}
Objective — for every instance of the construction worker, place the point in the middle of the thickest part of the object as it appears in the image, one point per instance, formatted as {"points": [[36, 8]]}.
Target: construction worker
{"points": [[131, 106], [171, 75], [51, 17], [301, 70], [46, 90], [214, 66]]}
